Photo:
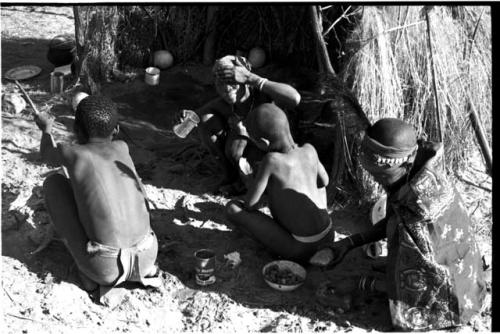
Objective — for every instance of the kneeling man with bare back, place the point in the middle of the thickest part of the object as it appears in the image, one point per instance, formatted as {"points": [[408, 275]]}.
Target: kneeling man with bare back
{"points": [[100, 212]]}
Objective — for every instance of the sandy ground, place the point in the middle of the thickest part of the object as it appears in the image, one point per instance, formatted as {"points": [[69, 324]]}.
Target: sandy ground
{"points": [[40, 292]]}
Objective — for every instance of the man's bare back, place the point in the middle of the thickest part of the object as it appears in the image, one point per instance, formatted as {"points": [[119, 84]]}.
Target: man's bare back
{"points": [[107, 191], [99, 208]]}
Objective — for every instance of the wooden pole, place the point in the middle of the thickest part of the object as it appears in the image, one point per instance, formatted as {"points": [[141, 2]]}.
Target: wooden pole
{"points": [[208, 48], [433, 71], [473, 115], [481, 137], [324, 64], [35, 110]]}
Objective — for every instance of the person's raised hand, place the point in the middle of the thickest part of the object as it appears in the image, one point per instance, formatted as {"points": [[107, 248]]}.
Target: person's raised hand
{"points": [[232, 75], [332, 255], [44, 121]]}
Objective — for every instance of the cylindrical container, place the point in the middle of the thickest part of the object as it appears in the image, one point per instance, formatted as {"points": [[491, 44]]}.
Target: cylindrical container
{"points": [[204, 267], [152, 76], [373, 250], [190, 121], [56, 82]]}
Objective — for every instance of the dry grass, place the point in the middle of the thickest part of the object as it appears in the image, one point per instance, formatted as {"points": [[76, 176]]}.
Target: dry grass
{"points": [[391, 71]]}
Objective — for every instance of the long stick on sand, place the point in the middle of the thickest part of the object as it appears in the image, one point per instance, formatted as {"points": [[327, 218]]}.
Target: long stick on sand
{"points": [[35, 110], [36, 113]]}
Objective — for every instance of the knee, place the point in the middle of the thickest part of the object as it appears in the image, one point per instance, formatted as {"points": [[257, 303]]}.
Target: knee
{"points": [[233, 208]]}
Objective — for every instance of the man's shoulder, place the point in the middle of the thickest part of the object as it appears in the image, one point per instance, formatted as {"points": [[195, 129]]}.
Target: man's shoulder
{"points": [[308, 147], [309, 151], [68, 149], [120, 145]]}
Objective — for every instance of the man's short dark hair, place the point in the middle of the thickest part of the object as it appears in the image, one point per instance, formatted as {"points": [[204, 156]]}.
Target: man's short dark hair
{"points": [[97, 116]]}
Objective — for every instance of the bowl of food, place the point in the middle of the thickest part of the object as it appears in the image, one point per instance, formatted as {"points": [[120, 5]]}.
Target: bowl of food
{"points": [[284, 275]]}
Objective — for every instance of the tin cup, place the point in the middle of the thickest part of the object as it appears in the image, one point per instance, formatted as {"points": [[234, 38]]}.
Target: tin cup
{"points": [[152, 76], [189, 122], [373, 250], [204, 266], [56, 82]]}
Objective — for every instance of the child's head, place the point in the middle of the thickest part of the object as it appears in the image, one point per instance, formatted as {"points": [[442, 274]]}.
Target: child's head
{"points": [[268, 124], [96, 117]]}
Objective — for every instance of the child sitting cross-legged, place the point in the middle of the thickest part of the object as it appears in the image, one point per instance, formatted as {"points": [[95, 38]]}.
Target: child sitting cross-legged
{"points": [[294, 180]]}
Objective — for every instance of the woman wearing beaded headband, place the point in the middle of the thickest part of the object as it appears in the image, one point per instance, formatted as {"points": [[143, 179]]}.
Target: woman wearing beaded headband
{"points": [[434, 270]]}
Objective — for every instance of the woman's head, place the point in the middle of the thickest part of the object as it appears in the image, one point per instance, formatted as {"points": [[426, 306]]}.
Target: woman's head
{"points": [[96, 117], [388, 150]]}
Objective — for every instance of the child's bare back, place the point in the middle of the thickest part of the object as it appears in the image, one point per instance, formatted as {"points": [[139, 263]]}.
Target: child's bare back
{"points": [[295, 200], [295, 182]]}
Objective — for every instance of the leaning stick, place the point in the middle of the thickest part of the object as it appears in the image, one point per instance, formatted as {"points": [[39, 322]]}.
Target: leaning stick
{"points": [[35, 110], [433, 72]]}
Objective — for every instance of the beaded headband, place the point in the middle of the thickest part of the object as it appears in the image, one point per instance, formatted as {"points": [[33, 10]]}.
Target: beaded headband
{"points": [[380, 154]]}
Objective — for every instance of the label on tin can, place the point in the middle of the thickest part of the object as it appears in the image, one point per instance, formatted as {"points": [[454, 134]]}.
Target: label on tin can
{"points": [[204, 279], [205, 267]]}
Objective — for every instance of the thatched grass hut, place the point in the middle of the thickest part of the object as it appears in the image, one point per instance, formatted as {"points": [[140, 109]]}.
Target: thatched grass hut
{"points": [[430, 65]]}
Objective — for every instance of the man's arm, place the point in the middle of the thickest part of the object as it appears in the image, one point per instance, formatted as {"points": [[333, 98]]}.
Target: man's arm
{"points": [[259, 184], [124, 147], [284, 95], [51, 153], [335, 253], [217, 105], [323, 178], [377, 232]]}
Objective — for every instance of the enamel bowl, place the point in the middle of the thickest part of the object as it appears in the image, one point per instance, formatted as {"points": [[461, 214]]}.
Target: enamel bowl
{"points": [[293, 267]]}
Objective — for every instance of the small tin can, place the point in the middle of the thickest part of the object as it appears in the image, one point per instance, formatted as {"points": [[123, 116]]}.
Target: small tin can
{"points": [[204, 267], [152, 76], [56, 82]]}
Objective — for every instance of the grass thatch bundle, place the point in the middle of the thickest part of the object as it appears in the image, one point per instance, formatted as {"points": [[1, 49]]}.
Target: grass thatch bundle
{"points": [[284, 32], [391, 70], [145, 29]]}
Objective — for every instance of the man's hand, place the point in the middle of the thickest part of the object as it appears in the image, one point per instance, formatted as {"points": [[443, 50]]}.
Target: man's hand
{"points": [[233, 74], [333, 255], [236, 124], [44, 122]]}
